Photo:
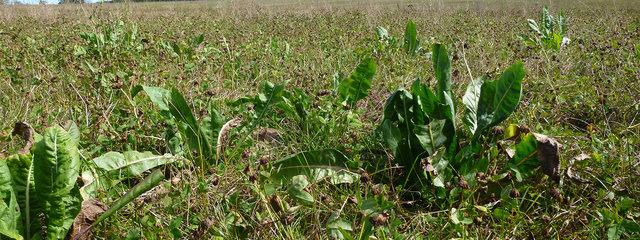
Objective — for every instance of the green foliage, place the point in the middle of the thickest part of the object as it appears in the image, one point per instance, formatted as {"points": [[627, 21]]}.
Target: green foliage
{"points": [[316, 165], [114, 39], [357, 86], [198, 137], [56, 167], [524, 160], [9, 209], [114, 167], [411, 42], [442, 67], [188, 51], [490, 102], [271, 97], [40, 189], [296, 190], [419, 126], [550, 33], [47, 186]]}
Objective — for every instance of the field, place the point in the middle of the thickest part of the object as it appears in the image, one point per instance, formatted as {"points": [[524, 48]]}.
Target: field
{"points": [[282, 120]]}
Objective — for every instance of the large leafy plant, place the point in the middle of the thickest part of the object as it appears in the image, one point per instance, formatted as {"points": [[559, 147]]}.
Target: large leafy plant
{"points": [[419, 127], [549, 33], [41, 196], [40, 190]]}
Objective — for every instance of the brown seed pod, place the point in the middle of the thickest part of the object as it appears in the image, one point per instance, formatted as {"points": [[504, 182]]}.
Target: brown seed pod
{"points": [[514, 193], [215, 181], [463, 184], [276, 203], [253, 178], [245, 154], [247, 169], [365, 178], [263, 160], [175, 181], [555, 192], [376, 190], [481, 177], [497, 131], [380, 219], [524, 129]]}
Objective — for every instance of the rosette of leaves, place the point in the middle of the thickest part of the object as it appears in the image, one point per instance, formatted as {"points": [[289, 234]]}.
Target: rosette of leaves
{"points": [[549, 33], [41, 197], [419, 125]]}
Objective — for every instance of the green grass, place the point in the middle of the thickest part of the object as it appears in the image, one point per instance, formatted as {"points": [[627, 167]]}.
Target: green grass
{"points": [[587, 96]]}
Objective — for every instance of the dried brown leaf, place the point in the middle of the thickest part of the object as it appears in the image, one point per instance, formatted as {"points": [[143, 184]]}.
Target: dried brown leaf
{"points": [[268, 135], [25, 131], [89, 212], [549, 156]]}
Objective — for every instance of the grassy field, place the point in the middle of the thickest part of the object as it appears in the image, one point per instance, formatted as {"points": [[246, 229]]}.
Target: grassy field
{"points": [[85, 64]]}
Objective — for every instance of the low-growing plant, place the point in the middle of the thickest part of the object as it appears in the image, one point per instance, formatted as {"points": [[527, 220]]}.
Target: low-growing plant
{"points": [[550, 33], [193, 136], [419, 127]]}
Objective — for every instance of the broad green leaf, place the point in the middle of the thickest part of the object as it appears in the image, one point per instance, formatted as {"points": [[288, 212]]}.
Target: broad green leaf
{"points": [[115, 167], [442, 68], [131, 163], [625, 204], [630, 226], [9, 209], [398, 106], [74, 132], [391, 135], [21, 168], [357, 86], [296, 187], [449, 114], [441, 173], [431, 136], [498, 99], [562, 24], [382, 33], [411, 43], [56, 166], [317, 165], [426, 101], [508, 91], [470, 99], [485, 106], [525, 160], [336, 226], [613, 233], [159, 96], [533, 25], [547, 20], [212, 124], [195, 137]]}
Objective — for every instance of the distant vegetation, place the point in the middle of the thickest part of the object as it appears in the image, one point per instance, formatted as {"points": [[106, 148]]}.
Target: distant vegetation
{"points": [[438, 120]]}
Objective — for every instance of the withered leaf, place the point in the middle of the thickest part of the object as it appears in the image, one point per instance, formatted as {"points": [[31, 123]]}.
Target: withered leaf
{"points": [[25, 131], [548, 155], [89, 212], [268, 135]]}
